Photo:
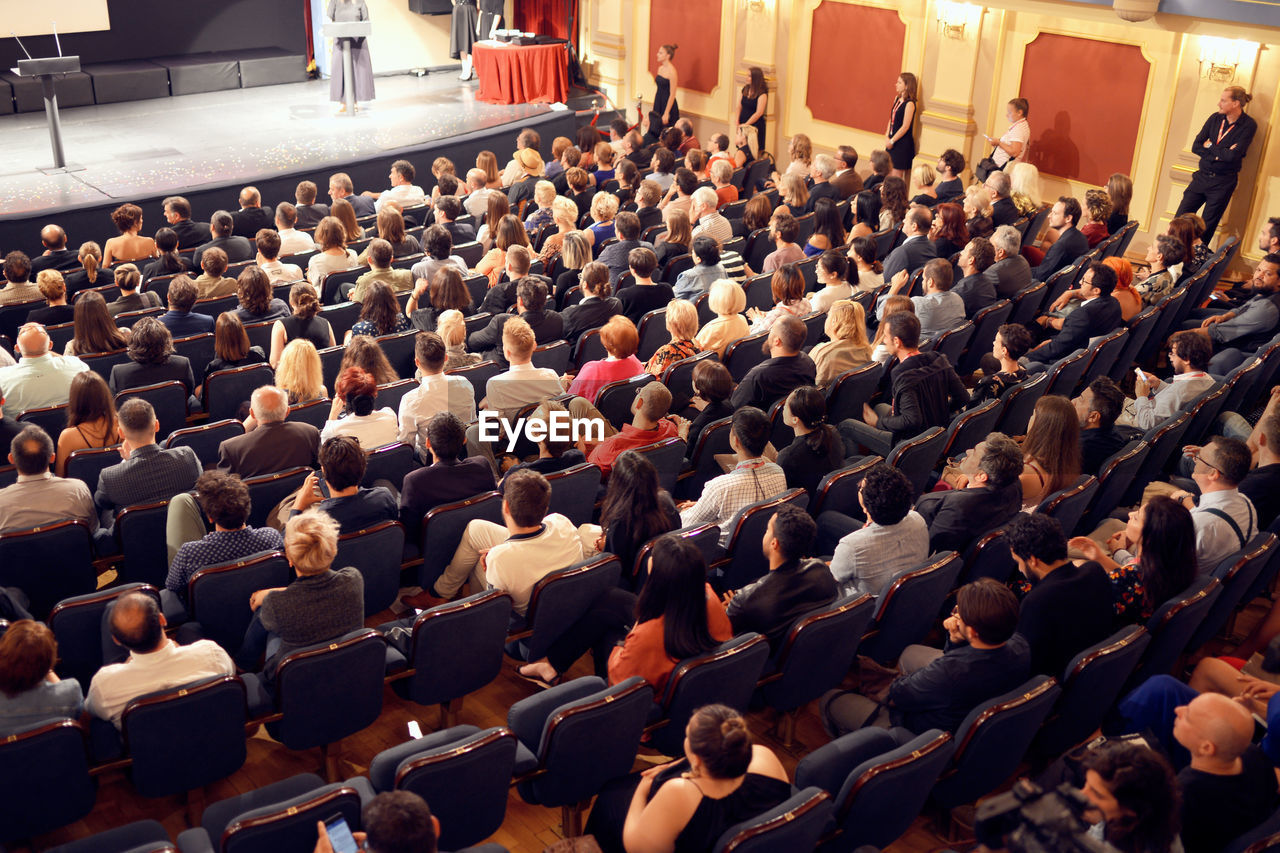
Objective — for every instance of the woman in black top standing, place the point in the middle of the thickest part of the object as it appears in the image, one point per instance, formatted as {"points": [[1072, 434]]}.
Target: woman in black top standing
{"points": [[302, 323], [666, 81], [899, 139], [754, 104]]}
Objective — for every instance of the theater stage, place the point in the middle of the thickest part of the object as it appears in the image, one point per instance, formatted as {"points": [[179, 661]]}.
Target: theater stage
{"points": [[206, 146]]}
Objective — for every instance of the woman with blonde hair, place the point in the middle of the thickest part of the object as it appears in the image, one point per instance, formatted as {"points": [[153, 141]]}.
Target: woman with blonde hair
{"points": [[452, 328], [575, 254], [977, 211], [564, 215], [91, 418], [334, 256], [682, 323], [487, 162], [795, 195], [746, 146], [923, 177], [800, 151], [508, 233], [604, 207], [848, 346], [130, 245], [54, 290], [304, 322], [497, 208], [91, 272], [1024, 188], [300, 373], [880, 344], [1051, 450], [544, 194], [675, 241], [727, 300]]}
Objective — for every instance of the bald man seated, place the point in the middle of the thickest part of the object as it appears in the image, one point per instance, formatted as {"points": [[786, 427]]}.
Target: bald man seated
{"points": [[1228, 785], [251, 216], [155, 662], [56, 255]]}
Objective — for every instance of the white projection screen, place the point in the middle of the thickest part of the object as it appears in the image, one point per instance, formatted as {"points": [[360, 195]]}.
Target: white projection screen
{"points": [[37, 19]]}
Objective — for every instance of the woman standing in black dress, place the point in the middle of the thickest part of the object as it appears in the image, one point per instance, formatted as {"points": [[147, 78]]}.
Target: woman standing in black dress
{"points": [[754, 104], [665, 109], [899, 138], [462, 34]]}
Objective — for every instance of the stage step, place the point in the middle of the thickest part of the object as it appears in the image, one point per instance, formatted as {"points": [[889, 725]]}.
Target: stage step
{"points": [[201, 72], [136, 80], [74, 90]]}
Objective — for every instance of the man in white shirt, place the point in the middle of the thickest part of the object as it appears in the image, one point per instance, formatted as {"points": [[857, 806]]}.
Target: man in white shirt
{"points": [[1225, 519], [1155, 401], [709, 222], [436, 393], [939, 310], [40, 378], [752, 480], [292, 241], [528, 138], [38, 497], [268, 242], [476, 201], [403, 192], [515, 556], [523, 383], [155, 662]]}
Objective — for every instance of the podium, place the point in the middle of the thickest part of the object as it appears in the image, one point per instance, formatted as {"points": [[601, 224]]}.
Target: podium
{"points": [[343, 32], [45, 70]]}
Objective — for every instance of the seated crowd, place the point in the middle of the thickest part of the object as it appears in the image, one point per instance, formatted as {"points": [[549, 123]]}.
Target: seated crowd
{"points": [[532, 293]]}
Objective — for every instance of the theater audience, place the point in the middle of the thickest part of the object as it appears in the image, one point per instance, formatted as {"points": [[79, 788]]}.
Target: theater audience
{"points": [[38, 497], [237, 248], [1010, 273], [334, 256], [451, 476], [30, 691], [231, 347], [363, 352], [40, 378], [212, 283], [335, 489], [620, 340], [1070, 243], [1051, 450], [643, 294], [54, 290], [1011, 343], [847, 346], [403, 192], [438, 245], [308, 212], [1133, 788], [151, 360], [677, 240], [682, 324], [292, 241], [974, 288], [916, 250], [168, 262], [353, 413], [89, 274], [787, 288], [530, 306], [391, 228], [783, 230], [786, 369], [893, 538], [94, 331], [131, 299], [712, 386], [1098, 314], [130, 245], [257, 305], [380, 270], [595, 307], [1097, 209], [436, 392], [91, 418], [832, 270], [341, 189], [938, 310], [1097, 408], [1225, 519], [275, 444], [817, 448], [726, 300], [380, 314], [56, 255], [1158, 283], [18, 288]]}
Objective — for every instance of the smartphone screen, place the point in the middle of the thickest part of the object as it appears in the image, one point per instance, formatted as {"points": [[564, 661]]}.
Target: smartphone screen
{"points": [[1141, 375], [322, 486], [340, 835]]}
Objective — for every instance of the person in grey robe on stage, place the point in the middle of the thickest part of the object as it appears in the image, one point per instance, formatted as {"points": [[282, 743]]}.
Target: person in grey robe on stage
{"points": [[345, 11]]}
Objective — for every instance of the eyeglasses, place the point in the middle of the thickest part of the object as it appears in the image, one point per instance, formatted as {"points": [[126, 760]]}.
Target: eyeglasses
{"points": [[1199, 457]]}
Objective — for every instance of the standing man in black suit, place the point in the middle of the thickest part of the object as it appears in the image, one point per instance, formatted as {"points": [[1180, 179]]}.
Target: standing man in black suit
{"points": [[237, 248], [917, 250], [56, 254], [177, 212], [1070, 244], [251, 216], [1003, 210], [1098, 314], [1221, 145]]}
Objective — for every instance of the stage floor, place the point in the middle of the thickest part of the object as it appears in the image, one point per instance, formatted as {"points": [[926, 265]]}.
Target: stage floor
{"points": [[171, 145]]}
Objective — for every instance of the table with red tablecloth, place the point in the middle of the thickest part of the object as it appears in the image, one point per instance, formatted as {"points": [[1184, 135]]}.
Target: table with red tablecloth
{"points": [[521, 74]]}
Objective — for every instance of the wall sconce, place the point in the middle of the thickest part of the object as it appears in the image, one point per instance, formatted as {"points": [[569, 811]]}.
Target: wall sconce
{"points": [[758, 6], [954, 18], [1220, 57]]}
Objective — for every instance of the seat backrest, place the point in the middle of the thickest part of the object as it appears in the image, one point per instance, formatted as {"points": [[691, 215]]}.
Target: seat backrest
{"points": [[614, 400], [985, 325], [1117, 472], [1068, 505], [442, 528], [725, 675], [747, 561], [1162, 440], [1204, 414], [1019, 402], [1236, 581], [1036, 224], [1172, 625], [331, 690], [87, 463], [226, 390], [478, 375], [952, 342], [838, 490], [390, 462], [1169, 309], [169, 399], [818, 652], [24, 563], [1140, 328], [561, 597], [218, 596], [848, 391], [989, 557], [573, 492], [78, 628], [713, 439], [204, 439], [1027, 302], [141, 531], [916, 456], [794, 824], [51, 419], [554, 355], [589, 348], [759, 291], [653, 333], [456, 648], [44, 779], [744, 354], [314, 412], [970, 428], [1091, 683], [198, 349], [1065, 373], [291, 824], [667, 457], [267, 490], [909, 605], [1242, 381], [375, 552], [186, 737], [992, 740], [398, 349], [390, 394], [705, 536], [101, 364]]}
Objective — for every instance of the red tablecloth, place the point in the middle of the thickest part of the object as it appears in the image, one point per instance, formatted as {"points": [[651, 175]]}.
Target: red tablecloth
{"points": [[530, 74]]}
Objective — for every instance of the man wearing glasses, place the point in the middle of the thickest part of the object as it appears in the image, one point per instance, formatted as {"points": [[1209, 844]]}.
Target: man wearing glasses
{"points": [[1225, 519]]}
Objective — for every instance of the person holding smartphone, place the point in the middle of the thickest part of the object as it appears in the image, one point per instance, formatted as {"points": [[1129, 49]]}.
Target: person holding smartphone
{"points": [[395, 820]]}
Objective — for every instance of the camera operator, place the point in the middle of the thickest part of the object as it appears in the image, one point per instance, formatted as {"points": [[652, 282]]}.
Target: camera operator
{"points": [[1134, 790]]}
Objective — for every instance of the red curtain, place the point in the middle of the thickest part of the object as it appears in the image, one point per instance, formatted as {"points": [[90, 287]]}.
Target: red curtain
{"points": [[547, 17]]}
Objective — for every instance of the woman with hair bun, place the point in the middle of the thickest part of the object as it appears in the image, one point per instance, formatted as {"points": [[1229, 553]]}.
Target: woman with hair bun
{"points": [[304, 322], [899, 136], [666, 80], [130, 245], [355, 393], [722, 780]]}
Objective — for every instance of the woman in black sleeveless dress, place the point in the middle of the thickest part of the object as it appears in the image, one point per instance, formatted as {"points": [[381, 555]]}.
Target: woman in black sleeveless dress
{"points": [[900, 140], [754, 104], [665, 108]]}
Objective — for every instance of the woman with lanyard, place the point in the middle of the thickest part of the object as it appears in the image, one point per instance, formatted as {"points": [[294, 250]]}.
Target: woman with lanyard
{"points": [[1013, 145], [899, 139], [1221, 145]]}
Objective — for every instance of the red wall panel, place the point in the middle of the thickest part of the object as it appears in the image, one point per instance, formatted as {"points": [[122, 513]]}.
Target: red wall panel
{"points": [[694, 26], [855, 56], [1085, 99]]}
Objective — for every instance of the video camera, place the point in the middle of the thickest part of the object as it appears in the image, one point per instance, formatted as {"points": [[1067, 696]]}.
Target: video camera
{"points": [[1030, 819]]}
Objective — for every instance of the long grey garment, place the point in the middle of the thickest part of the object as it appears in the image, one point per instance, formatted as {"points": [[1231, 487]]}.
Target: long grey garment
{"points": [[344, 11]]}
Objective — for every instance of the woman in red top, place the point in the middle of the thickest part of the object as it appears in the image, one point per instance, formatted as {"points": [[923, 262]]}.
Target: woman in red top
{"points": [[621, 340]]}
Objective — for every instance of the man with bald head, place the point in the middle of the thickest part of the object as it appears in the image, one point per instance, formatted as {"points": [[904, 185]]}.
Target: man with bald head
{"points": [[154, 663], [275, 444], [41, 377], [252, 215], [56, 254]]}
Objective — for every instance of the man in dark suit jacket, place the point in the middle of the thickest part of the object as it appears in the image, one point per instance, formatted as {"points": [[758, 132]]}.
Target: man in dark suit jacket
{"points": [[917, 250], [1003, 210], [949, 188], [975, 288], [1098, 406], [531, 300], [648, 194], [252, 216], [449, 477], [309, 213], [148, 473], [1069, 607], [592, 312], [180, 320], [1010, 273], [1098, 314], [275, 445], [1070, 244], [237, 248], [644, 294], [793, 586], [848, 182], [177, 212], [449, 208], [614, 256], [56, 254], [822, 172], [340, 186], [502, 296], [993, 494], [786, 369]]}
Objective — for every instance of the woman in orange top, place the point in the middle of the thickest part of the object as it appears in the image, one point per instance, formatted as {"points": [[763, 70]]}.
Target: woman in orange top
{"points": [[1130, 300], [676, 616]]}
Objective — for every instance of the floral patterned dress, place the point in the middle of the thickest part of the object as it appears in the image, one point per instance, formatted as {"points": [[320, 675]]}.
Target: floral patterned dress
{"points": [[669, 354]]}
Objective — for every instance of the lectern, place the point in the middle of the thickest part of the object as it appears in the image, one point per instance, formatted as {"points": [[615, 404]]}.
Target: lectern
{"points": [[45, 70], [344, 32]]}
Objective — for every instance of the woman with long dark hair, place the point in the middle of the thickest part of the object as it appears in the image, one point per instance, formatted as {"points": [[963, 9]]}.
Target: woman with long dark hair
{"points": [[1051, 450], [862, 251], [666, 80], [1152, 559], [91, 418], [866, 214], [677, 615], [817, 449], [446, 291], [231, 345], [899, 135], [828, 230], [304, 322], [379, 314], [636, 508], [753, 104], [893, 202], [949, 232], [95, 331]]}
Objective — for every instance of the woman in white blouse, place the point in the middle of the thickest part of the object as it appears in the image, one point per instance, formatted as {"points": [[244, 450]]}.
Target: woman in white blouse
{"points": [[788, 296], [356, 391], [334, 256]]}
